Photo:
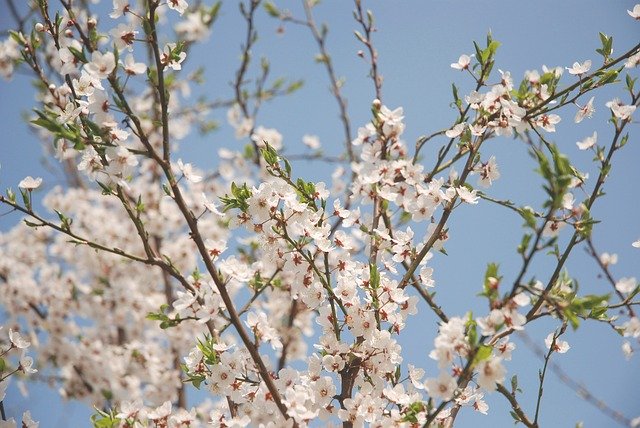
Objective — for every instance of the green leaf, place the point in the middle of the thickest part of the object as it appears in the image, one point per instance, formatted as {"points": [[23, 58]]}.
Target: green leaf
{"points": [[524, 244], [624, 140], [271, 9], [483, 353], [630, 82], [374, 276], [102, 419], [456, 98], [294, 86], [529, 217], [48, 124], [17, 37]]}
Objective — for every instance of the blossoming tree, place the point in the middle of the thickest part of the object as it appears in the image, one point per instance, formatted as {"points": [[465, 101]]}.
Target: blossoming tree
{"points": [[287, 298]]}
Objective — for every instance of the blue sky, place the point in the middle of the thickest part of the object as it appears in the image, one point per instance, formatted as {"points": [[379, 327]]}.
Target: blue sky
{"points": [[416, 41]]}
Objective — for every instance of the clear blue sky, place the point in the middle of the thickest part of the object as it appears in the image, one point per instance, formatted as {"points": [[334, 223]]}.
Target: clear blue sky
{"points": [[417, 40]]}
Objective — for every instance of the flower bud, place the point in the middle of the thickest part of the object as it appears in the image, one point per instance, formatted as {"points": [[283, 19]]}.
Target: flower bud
{"points": [[39, 27]]}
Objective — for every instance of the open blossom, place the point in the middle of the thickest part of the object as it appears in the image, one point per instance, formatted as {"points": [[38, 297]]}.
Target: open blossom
{"points": [[626, 285], [631, 328], [123, 36], [30, 183], [86, 84], [193, 27], [443, 387], [91, 163], [239, 121], [391, 121], [101, 65], [635, 13], [553, 227], [627, 350], [172, 59], [608, 259], [560, 346], [456, 130], [588, 142], [586, 111], [633, 61], [488, 172], [17, 340], [120, 7], [178, 5], [620, 110], [131, 67], [9, 52], [210, 205], [548, 122], [491, 372], [72, 111], [26, 364], [268, 135], [463, 63], [130, 409], [187, 170], [311, 141], [504, 348], [469, 196], [557, 71], [68, 59], [215, 247], [636, 244], [161, 412], [28, 422], [579, 69]]}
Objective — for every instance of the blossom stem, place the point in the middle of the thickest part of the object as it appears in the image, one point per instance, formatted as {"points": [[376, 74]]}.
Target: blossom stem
{"points": [[593, 253], [162, 92], [605, 165]]}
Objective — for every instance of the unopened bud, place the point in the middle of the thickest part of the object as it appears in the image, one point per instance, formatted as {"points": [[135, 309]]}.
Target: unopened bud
{"points": [[68, 33], [52, 87], [39, 27], [360, 54], [376, 104], [91, 23]]}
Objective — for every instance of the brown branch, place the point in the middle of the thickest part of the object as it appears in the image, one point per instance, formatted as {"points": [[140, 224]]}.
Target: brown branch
{"points": [[605, 269]]}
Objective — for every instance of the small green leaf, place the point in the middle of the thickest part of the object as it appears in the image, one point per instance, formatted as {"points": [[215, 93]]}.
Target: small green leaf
{"points": [[271, 9], [483, 353], [374, 276]]}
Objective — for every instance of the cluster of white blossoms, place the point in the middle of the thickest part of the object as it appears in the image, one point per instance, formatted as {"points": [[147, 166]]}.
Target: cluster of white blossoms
{"points": [[15, 348], [288, 299]]}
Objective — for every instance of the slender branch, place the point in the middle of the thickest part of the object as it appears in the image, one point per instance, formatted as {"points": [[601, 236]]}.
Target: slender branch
{"points": [[162, 92], [516, 406], [368, 28], [251, 37], [605, 269], [443, 219], [544, 370], [320, 38], [605, 165], [580, 390]]}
